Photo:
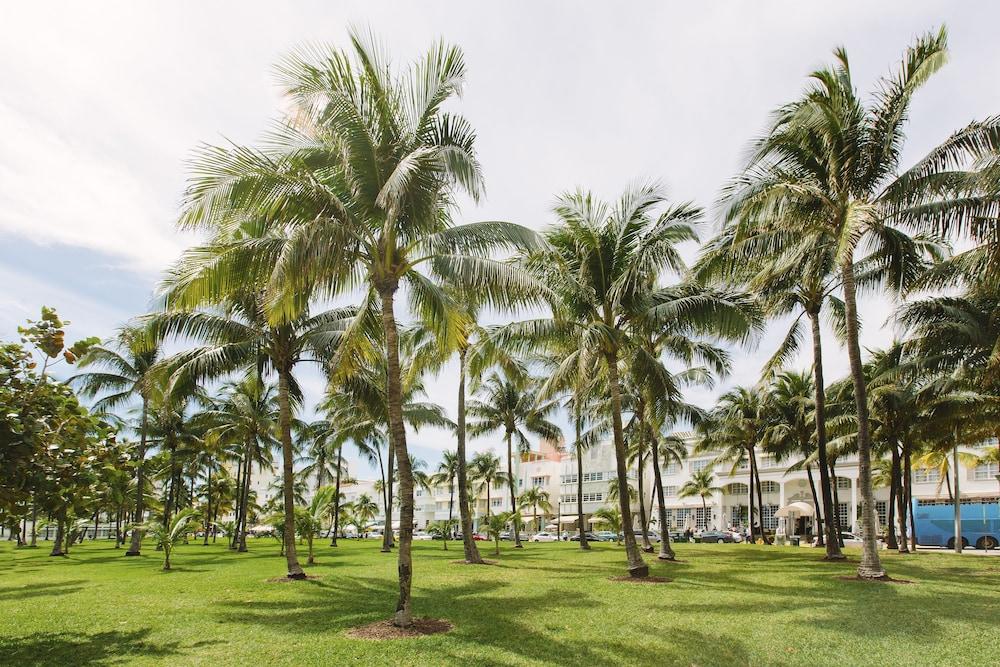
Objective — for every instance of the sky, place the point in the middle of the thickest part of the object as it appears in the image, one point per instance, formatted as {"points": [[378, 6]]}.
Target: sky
{"points": [[102, 103]]}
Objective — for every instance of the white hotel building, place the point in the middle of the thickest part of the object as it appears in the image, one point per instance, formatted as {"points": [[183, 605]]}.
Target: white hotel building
{"points": [[556, 471]]}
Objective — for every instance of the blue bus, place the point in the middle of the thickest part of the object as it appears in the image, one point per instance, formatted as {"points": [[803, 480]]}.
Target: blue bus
{"points": [[934, 521]]}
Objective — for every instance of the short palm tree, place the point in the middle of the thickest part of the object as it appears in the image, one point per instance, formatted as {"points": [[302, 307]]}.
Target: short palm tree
{"points": [[168, 535], [315, 512], [486, 472], [508, 404], [496, 524], [446, 474], [701, 484], [365, 509], [611, 519]]}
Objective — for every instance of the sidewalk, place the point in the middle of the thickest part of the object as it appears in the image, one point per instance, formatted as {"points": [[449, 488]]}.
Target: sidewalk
{"points": [[965, 552]]}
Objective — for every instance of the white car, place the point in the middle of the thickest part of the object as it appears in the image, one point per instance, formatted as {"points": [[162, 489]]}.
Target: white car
{"points": [[422, 535], [544, 537]]}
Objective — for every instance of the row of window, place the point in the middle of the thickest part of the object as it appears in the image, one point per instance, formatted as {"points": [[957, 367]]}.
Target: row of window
{"points": [[587, 498], [589, 477]]}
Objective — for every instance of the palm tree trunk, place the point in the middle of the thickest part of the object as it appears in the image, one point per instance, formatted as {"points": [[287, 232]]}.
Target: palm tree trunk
{"points": [[287, 480], [755, 473], [908, 475], [894, 492], [464, 510], [513, 493], [336, 496], [643, 524], [829, 510], [397, 439], [578, 423], [666, 551], [836, 501], [208, 502], [900, 501], [235, 537], [247, 472], [819, 510], [636, 566], [140, 481], [390, 474], [750, 507], [869, 567]]}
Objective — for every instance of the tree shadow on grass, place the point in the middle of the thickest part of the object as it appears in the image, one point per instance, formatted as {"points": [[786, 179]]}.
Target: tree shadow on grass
{"points": [[70, 648], [40, 590]]}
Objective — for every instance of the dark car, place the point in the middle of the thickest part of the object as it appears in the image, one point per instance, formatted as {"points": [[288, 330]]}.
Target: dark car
{"points": [[716, 536], [678, 536], [591, 537]]}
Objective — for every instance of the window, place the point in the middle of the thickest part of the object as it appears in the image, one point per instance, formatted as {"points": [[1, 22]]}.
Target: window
{"points": [[703, 517], [924, 475], [842, 517], [768, 519], [496, 502], [568, 498], [417, 493], [986, 472], [681, 517], [670, 491], [698, 466], [672, 468], [593, 497], [881, 510], [593, 476], [738, 515], [767, 462], [768, 486], [843, 483], [569, 479], [737, 489], [539, 481]]}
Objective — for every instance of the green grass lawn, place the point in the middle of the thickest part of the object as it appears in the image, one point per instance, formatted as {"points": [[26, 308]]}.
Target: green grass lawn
{"points": [[550, 603]]}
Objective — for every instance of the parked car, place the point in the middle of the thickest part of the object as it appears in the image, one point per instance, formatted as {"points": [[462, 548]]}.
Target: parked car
{"points": [[717, 536], [479, 537], [506, 535], [544, 537], [678, 536], [591, 537], [607, 536], [850, 539], [422, 535]]}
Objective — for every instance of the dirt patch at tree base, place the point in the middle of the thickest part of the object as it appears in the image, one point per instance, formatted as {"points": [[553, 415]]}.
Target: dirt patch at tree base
{"points": [[669, 560], [287, 580], [380, 630], [642, 580], [884, 580], [486, 561]]}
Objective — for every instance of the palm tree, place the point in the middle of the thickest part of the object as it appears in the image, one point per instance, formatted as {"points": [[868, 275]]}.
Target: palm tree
{"points": [[701, 484], [735, 427], [361, 178], [486, 473], [496, 524], [534, 498], [365, 509], [446, 473], [239, 335], [830, 164], [601, 271], [315, 512], [167, 535], [509, 405], [245, 415], [127, 368], [612, 518]]}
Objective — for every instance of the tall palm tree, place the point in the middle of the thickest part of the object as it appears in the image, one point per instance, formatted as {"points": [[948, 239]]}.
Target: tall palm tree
{"points": [[361, 177], [701, 484], [127, 366], [601, 270], [830, 164], [508, 404], [238, 336]]}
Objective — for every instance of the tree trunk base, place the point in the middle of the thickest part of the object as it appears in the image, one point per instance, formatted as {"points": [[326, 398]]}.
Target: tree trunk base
{"points": [[835, 557], [648, 550], [296, 575], [518, 546], [636, 571], [667, 556], [865, 572], [132, 553]]}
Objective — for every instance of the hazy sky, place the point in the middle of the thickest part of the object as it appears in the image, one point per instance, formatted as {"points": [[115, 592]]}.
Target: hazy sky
{"points": [[101, 103]]}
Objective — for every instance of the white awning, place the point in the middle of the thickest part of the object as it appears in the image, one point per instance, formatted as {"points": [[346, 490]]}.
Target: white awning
{"points": [[551, 526], [597, 519], [799, 508], [568, 519]]}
